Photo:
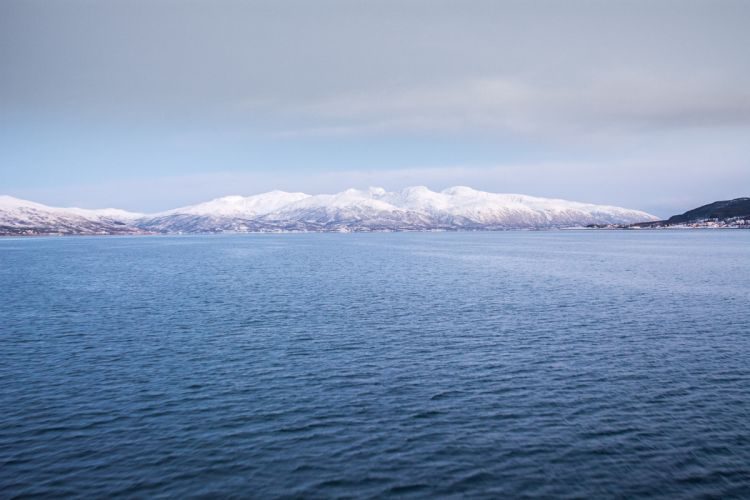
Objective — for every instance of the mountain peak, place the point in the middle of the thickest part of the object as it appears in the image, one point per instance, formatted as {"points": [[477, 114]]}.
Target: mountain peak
{"points": [[460, 191], [376, 192]]}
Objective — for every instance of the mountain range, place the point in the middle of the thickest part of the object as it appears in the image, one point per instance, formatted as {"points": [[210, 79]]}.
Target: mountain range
{"points": [[373, 209]]}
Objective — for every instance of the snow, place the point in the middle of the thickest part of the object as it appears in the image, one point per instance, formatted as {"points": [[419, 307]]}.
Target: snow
{"points": [[241, 206], [9, 204], [109, 213], [414, 207], [26, 217]]}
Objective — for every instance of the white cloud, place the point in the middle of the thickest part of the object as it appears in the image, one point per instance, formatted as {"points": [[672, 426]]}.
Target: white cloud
{"points": [[616, 102]]}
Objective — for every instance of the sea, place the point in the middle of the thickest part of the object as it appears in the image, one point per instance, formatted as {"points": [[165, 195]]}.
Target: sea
{"points": [[554, 364]]}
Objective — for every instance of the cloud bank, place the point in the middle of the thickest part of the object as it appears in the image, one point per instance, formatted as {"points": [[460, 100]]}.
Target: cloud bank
{"points": [[297, 94]]}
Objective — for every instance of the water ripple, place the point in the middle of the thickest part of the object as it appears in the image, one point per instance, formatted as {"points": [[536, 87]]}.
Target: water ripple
{"points": [[599, 364]]}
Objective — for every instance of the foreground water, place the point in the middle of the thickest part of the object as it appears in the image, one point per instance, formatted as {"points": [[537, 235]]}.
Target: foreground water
{"points": [[586, 364]]}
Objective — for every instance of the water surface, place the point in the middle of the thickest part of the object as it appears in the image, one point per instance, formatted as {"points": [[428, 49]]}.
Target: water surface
{"points": [[574, 364]]}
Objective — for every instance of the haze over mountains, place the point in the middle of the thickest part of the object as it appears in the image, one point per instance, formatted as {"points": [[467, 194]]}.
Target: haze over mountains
{"points": [[374, 209]]}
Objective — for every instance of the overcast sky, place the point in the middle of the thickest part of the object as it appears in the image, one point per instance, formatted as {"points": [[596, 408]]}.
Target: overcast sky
{"points": [[151, 104]]}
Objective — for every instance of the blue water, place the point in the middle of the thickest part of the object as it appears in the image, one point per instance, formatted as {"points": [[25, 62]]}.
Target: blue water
{"points": [[555, 364]]}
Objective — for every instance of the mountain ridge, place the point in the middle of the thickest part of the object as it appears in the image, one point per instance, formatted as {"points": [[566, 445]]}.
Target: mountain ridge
{"points": [[415, 208]]}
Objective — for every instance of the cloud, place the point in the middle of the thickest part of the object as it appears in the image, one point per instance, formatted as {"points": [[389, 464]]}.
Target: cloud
{"points": [[639, 103], [615, 102]]}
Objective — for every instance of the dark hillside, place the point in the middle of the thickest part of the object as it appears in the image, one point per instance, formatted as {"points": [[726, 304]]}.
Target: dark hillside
{"points": [[739, 207]]}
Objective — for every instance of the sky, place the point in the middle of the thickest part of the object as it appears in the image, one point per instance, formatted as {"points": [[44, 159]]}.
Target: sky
{"points": [[148, 105]]}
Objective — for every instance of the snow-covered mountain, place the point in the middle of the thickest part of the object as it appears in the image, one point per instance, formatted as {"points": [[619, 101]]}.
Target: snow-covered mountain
{"points": [[374, 209], [462, 206], [348, 210], [21, 217], [230, 213], [241, 206]]}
